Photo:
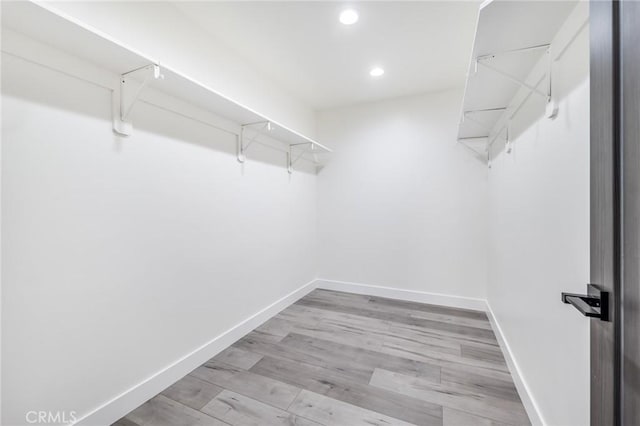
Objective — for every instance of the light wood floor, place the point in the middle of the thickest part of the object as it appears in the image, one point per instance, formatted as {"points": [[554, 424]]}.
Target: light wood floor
{"points": [[343, 359]]}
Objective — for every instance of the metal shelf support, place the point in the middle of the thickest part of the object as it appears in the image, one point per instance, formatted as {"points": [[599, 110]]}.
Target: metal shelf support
{"points": [[295, 151], [483, 59], [292, 158], [465, 142], [483, 126], [130, 89], [243, 145], [514, 79]]}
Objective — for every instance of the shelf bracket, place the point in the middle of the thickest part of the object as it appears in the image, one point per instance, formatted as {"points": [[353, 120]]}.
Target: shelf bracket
{"points": [[483, 126], [244, 144], [552, 105], [483, 59], [130, 90], [468, 116], [515, 80], [507, 140], [292, 158], [497, 134], [464, 141]]}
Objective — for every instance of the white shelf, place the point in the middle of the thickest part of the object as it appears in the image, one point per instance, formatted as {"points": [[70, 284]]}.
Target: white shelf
{"points": [[511, 38], [46, 25]]}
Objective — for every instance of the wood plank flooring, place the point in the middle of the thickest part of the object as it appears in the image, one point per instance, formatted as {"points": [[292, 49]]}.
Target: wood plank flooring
{"points": [[337, 358]]}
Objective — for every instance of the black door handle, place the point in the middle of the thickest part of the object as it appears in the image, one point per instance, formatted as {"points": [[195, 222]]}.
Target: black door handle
{"points": [[594, 304]]}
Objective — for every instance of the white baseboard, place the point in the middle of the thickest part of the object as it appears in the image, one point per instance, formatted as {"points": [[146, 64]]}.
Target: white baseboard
{"points": [[529, 403], [122, 404], [456, 302], [401, 294], [132, 398]]}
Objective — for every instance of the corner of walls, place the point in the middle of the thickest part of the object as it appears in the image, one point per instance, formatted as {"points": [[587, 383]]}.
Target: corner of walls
{"points": [[477, 304], [185, 272], [519, 381], [401, 204], [130, 399], [539, 238], [148, 388], [453, 301], [404, 294]]}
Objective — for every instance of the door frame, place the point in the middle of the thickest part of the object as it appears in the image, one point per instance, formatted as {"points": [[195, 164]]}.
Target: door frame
{"points": [[605, 208], [615, 209], [629, 80]]}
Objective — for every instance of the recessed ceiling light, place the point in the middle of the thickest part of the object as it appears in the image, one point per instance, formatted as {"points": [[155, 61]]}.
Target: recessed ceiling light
{"points": [[376, 72], [349, 16]]}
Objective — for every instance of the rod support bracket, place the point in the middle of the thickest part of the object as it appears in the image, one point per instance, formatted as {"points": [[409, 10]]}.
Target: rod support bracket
{"points": [[131, 85], [243, 144], [290, 160]]}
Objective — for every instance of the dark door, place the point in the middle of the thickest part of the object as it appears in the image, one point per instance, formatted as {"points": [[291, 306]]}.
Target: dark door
{"points": [[630, 284], [615, 210], [605, 206]]}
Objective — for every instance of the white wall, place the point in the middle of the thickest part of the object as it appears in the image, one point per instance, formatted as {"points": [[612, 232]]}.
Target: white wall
{"points": [[539, 238], [159, 30], [122, 255], [401, 204], [169, 229]]}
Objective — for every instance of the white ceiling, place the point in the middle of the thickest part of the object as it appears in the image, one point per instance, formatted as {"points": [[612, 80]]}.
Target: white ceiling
{"points": [[422, 46]]}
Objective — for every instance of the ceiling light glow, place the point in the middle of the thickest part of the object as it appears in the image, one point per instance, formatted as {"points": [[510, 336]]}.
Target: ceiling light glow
{"points": [[349, 16], [376, 72]]}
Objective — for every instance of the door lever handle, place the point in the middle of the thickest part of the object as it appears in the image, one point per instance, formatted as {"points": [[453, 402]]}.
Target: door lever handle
{"points": [[594, 304]]}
